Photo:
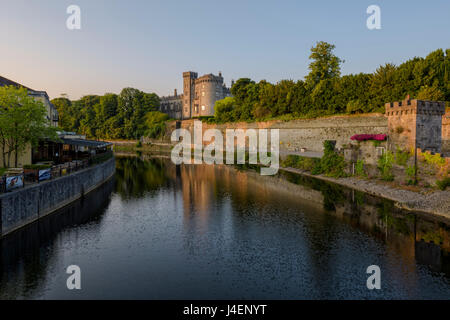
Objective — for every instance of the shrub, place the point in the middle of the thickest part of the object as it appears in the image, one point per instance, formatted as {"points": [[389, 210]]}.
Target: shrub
{"points": [[302, 163], [359, 169], [156, 124], [402, 157], [139, 144], [411, 173], [331, 164], [443, 184], [385, 166], [399, 129]]}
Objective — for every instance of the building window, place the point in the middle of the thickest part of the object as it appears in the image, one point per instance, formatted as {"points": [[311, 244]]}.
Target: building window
{"points": [[203, 108], [203, 93]]}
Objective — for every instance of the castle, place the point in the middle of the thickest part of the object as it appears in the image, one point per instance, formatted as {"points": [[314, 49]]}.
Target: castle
{"points": [[198, 98]]}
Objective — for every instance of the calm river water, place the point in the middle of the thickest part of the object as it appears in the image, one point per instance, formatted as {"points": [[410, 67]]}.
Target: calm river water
{"points": [[157, 231]]}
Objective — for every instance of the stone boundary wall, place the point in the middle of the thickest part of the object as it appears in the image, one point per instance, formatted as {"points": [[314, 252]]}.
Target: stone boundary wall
{"points": [[308, 133], [446, 133], [27, 205]]}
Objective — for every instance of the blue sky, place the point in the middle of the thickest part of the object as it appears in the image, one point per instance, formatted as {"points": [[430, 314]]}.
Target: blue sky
{"points": [[147, 44]]}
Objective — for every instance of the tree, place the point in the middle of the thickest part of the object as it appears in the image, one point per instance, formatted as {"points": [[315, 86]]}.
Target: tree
{"points": [[22, 122], [223, 110], [430, 93], [155, 122], [64, 105], [325, 64]]}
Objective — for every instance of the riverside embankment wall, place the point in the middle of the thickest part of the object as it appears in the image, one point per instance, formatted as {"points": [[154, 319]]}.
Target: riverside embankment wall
{"points": [[27, 205], [308, 133]]}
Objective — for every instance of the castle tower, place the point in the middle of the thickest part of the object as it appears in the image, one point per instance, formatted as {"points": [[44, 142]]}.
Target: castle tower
{"points": [[415, 124], [188, 93]]}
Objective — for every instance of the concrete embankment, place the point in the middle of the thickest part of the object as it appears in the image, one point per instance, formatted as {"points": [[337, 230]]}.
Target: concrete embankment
{"points": [[27, 205]]}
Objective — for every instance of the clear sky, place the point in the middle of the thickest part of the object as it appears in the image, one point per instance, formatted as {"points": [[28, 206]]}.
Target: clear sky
{"points": [[147, 44]]}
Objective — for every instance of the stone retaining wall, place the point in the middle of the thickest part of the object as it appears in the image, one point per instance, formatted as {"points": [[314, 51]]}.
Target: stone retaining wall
{"points": [[308, 134], [24, 206]]}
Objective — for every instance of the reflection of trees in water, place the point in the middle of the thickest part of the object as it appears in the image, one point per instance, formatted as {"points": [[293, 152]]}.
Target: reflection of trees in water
{"points": [[333, 194], [380, 217], [135, 177]]}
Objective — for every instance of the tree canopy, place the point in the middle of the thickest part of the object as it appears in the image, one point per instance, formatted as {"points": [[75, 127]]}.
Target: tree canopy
{"points": [[110, 116], [326, 92], [23, 121]]}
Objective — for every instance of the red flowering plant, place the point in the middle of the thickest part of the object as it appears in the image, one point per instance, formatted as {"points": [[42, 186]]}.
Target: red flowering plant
{"points": [[365, 137]]}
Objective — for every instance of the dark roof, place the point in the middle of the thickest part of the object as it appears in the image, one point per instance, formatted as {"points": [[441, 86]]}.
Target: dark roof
{"points": [[86, 143], [6, 82]]}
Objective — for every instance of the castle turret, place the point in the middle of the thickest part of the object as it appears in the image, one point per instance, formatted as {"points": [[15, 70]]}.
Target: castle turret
{"points": [[188, 93], [415, 124]]}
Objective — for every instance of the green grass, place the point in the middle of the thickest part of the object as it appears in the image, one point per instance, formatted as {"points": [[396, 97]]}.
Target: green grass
{"points": [[444, 183]]}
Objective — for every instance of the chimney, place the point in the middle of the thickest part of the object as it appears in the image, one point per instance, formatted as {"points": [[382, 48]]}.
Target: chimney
{"points": [[175, 92], [220, 73]]}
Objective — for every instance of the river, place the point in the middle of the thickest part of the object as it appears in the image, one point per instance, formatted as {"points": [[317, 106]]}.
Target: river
{"points": [[160, 231]]}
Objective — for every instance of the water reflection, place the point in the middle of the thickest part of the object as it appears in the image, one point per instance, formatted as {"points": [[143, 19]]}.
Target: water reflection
{"points": [[25, 254], [188, 232]]}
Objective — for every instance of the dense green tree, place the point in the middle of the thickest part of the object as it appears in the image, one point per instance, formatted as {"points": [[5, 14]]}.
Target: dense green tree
{"points": [[430, 93], [23, 122], [325, 64], [109, 116]]}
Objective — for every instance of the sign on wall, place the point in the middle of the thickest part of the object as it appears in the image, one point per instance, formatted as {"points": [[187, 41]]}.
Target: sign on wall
{"points": [[14, 182], [45, 174]]}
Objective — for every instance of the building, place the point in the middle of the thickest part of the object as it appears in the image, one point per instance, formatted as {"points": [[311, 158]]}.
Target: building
{"points": [[52, 115], [172, 105], [71, 147], [416, 124], [198, 98]]}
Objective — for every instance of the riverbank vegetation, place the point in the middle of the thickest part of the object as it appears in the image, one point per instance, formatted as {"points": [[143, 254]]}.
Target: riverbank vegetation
{"points": [[325, 92], [331, 164]]}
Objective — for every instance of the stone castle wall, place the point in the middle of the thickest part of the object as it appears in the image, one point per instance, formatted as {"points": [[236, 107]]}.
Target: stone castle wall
{"points": [[415, 123], [303, 134], [446, 133]]}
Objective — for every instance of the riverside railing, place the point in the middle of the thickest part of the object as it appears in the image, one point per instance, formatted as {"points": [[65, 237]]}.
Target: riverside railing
{"points": [[31, 176]]}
